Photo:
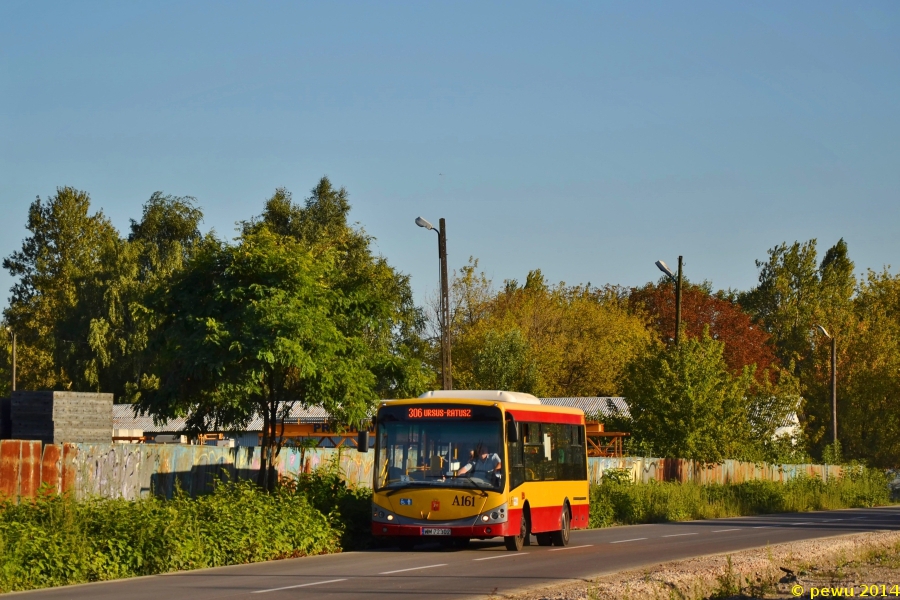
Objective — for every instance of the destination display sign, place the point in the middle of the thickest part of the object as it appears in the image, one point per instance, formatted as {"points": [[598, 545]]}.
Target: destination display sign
{"points": [[444, 411], [430, 412]]}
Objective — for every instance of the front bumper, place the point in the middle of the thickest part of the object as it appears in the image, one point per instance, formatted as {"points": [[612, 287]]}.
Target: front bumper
{"points": [[476, 531]]}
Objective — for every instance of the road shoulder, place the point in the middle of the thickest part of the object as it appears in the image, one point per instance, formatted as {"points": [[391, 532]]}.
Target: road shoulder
{"points": [[769, 572]]}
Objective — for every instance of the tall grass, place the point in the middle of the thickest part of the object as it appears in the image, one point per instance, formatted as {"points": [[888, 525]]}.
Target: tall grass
{"points": [[619, 502], [56, 540]]}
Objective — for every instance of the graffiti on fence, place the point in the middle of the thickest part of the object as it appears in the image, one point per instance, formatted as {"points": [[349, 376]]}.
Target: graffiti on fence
{"points": [[133, 471], [644, 470]]}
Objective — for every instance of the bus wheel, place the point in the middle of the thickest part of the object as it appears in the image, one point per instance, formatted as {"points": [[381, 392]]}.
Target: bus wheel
{"points": [[514, 543], [544, 539], [561, 537]]}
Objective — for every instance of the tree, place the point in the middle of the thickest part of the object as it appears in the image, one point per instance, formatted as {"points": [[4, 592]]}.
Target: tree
{"points": [[390, 322], [560, 340], [745, 343], [504, 362], [793, 295], [685, 402], [298, 310], [250, 329], [869, 377], [62, 250], [111, 321]]}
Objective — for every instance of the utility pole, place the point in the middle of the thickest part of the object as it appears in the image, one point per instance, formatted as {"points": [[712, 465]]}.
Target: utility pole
{"points": [[446, 368], [834, 389], [13, 334], [678, 305], [834, 423]]}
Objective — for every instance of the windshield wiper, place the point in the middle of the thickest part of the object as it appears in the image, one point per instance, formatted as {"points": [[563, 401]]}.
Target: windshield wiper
{"points": [[480, 489]]}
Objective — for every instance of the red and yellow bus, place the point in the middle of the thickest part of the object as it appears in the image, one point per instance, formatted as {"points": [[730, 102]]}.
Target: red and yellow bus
{"points": [[456, 465]]}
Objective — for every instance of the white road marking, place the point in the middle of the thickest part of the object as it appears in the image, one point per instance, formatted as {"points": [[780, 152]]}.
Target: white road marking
{"points": [[502, 556], [413, 569], [762, 527], [858, 518], [679, 534], [803, 523], [290, 587], [631, 540], [572, 547], [830, 520], [724, 530]]}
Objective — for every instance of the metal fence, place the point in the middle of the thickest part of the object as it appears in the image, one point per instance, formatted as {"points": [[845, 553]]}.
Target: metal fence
{"points": [[133, 471]]}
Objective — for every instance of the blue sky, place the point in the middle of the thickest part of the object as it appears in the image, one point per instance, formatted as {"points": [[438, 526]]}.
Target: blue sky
{"points": [[584, 139]]}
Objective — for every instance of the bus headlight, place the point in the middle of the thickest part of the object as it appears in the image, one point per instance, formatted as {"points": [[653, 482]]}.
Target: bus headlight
{"points": [[485, 518], [390, 517], [381, 514], [495, 515]]}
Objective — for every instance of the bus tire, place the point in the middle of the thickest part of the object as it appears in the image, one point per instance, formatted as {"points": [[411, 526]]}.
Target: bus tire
{"points": [[544, 539], [514, 543], [561, 537]]}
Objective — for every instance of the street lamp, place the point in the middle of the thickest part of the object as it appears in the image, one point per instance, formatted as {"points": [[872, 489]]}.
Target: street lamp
{"points": [[446, 374], [833, 381], [677, 280]]}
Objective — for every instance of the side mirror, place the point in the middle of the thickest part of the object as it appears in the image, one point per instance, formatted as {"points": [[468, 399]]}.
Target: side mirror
{"points": [[362, 441], [512, 432]]}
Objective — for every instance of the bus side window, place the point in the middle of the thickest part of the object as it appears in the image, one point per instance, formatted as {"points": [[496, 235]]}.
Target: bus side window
{"points": [[534, 452], [514, 452]]}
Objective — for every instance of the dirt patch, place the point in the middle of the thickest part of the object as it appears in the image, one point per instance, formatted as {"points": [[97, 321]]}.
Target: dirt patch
{"points": [[853, 563]]}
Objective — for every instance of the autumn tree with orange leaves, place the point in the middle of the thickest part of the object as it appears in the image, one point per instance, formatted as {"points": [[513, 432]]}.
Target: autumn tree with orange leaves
{"points": [[745, 343]]}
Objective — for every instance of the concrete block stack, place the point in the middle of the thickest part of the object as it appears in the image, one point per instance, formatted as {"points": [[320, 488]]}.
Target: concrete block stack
{"points": [[61, 417]]}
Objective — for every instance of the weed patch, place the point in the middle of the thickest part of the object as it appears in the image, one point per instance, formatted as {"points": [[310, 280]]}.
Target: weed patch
{"points": [[617, 501]]}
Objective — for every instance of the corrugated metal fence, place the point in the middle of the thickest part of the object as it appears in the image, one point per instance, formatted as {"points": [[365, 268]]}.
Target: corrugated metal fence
{"points": [[132, 471], [644, 470]]}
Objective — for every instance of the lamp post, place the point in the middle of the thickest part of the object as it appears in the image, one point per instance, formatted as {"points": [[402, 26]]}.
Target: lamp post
{"points": [[677, 280], [833, 382], [446, 369], [13, 333]]}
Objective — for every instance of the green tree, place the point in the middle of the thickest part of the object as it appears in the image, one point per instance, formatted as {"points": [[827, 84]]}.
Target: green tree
{"points": [[111, 321], [869, 377], [381, 308], [63, 249], [794, 294], [505, 363], [250, 329], [685, 403]]}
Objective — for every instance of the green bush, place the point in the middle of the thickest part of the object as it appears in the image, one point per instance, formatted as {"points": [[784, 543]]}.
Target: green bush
{"points": [[56, 540], [617, 501], [348, 508]]}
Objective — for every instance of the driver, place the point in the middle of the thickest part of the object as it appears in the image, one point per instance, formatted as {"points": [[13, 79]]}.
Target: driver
{"points": [[483, 463]]}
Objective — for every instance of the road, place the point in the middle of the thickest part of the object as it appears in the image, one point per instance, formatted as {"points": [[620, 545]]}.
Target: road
{"points": [[485, 567]]}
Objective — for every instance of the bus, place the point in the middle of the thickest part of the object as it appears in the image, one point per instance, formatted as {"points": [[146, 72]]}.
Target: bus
{"points": [[452, 466]]}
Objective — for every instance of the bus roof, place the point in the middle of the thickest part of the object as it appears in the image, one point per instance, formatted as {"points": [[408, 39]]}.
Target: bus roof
{"points": [[494, 395]]}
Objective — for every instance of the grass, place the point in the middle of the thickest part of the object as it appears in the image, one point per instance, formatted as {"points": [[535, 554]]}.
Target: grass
{"points": [[619, 502], [56, 540]]}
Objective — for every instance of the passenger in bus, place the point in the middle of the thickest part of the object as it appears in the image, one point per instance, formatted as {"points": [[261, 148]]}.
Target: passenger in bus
{"points": [[483, 464]]}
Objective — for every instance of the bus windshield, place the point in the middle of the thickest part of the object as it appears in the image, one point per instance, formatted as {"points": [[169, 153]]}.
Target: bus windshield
{"points": [[439, 446]]}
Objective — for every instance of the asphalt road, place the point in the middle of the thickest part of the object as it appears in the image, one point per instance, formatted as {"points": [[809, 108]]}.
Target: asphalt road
{"points": [[485, 567]]}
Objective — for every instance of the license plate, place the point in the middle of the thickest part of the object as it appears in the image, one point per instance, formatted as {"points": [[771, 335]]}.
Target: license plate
{"points": [[431, 531]]}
